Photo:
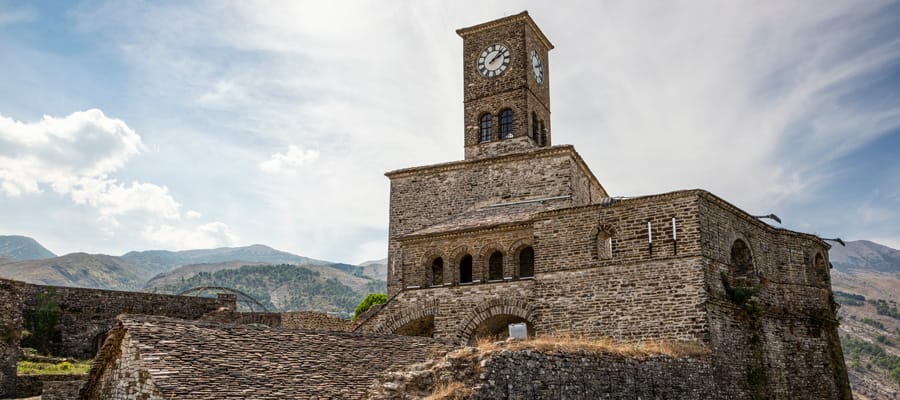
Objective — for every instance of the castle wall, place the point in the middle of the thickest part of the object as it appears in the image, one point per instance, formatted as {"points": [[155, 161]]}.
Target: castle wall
{"points": [[85, 315], [567, 238], [566, 374], [788, 325]]}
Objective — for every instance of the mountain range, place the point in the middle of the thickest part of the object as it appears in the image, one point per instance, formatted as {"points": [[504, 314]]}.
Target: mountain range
{"points": [[337, 287]]}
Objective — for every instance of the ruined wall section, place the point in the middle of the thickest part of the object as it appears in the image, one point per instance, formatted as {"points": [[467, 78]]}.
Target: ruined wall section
{"points": [[11, 305], [529, 374], [780, 319], [123, 373], [87, 314], [422, 197]]}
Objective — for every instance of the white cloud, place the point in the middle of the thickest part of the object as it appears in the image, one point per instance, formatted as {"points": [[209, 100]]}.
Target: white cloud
{"points": [[290, 161], [75, 155], [192, 214], [213, 234]]}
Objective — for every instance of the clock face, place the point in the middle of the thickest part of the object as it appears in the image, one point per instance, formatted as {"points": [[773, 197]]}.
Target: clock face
{"points": [[493, 60], [537, 67]]}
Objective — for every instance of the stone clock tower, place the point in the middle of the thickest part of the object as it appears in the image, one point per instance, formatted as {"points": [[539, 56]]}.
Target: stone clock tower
{"points": [[506, 74]]}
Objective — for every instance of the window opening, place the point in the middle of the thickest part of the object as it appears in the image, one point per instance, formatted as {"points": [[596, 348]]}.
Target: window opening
{"points": [[437, 272], [486, 122], [526, 262], [506, 124], [465, 269], [495, 266]]}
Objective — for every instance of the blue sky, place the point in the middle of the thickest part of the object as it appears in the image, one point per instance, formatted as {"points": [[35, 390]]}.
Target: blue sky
{"points": [[174, 125]]}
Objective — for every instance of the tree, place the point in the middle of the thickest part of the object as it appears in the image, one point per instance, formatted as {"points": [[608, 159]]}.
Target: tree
{"points": [[370, 300]]}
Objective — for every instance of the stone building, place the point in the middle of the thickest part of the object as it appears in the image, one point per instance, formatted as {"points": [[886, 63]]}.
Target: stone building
{"points": [[521, 231]]}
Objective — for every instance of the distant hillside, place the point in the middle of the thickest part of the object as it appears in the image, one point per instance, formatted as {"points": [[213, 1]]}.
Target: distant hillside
{"points": [[23, 248], [278, 287], [163, 260], [865, 255], [866, 283], [349, 275], [78, 269], [376, 269]]}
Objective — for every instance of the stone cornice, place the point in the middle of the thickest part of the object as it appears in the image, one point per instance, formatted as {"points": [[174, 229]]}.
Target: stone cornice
{"points": [[508, 226], [522, 16], [457, 165]]}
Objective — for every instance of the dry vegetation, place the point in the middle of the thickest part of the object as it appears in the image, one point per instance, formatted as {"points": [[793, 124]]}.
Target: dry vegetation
{"points": [[571, 344], [450, 391]]}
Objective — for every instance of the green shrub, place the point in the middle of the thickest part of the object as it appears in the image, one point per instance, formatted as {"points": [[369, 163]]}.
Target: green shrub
{"points": [[43, 321], [370, 300]]}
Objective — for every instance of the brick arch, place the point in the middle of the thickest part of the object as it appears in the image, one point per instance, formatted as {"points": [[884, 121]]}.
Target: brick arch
{"points": [[483, 259], [492, 308], [396, 319], [610, 231], [451, 264], [425, 263], [515, 250]]}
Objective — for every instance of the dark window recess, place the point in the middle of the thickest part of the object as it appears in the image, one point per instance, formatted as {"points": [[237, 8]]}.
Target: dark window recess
{"points": [[495, 266], [437, 272], [741, 259], [506, 124], [534, 129], [526, 262], [485, 128], [543, 135], [465, 269]]}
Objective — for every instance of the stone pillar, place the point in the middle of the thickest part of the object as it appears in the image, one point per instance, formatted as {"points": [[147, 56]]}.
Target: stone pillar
{"points": [[227, 300], [11, 306]]}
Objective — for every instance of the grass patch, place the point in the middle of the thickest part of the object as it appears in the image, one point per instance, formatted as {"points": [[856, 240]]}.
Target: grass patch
{"points": [[41, 368]]}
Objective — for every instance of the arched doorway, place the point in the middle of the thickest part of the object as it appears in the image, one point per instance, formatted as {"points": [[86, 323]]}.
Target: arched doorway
{"points": [[497, 327], [422, 327]]}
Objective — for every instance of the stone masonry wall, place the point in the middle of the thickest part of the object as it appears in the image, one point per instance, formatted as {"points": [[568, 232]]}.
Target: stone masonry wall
{"points": [[315, 321], [418, 255], [61, 390], [567, 238], [788, 325], [126, 377], [528, 374], [11, 305], [85, 317], [422, 197]]}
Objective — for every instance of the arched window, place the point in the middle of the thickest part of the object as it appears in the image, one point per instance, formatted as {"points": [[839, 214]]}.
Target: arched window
{"points": [[604, 245], [485, 132], [543, 135], [465, 269], [741, 259], [526, 262], [821, 268], [506, 123], [495, 266], [534, 129], [437, 272]]}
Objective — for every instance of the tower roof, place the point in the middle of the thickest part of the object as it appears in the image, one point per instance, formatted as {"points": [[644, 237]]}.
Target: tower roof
{"points": [[522, 16]]}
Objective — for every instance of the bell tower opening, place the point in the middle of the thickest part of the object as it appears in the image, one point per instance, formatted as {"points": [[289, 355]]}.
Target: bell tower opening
{"points": [[506, 81]]}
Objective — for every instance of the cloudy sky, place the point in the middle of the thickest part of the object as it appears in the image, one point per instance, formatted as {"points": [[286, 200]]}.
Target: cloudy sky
{"points": [[175, 125]]}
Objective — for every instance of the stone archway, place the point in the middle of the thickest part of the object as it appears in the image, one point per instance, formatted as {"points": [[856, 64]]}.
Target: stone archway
{"points": [[492, 316], [412, 320]]}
